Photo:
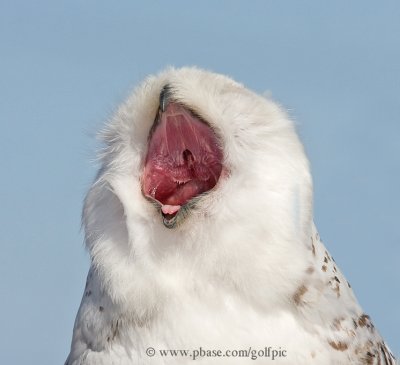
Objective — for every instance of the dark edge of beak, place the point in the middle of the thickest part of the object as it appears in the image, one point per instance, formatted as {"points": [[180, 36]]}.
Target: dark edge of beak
{"points": [[165, 96], [169, 222], [182, 214]]}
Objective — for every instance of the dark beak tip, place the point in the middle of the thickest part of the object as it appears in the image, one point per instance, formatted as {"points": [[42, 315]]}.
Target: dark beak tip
{"points": [[165, 96]]}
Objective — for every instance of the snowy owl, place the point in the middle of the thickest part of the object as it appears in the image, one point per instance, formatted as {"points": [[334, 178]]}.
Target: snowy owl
{"points": [[200, 231]]}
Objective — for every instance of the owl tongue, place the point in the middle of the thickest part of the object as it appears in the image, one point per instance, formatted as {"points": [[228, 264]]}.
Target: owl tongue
{"points": [[183, 159]]}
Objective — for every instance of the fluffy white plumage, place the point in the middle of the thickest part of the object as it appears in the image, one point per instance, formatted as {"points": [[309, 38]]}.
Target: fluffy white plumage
{"points": [[244, 270]]}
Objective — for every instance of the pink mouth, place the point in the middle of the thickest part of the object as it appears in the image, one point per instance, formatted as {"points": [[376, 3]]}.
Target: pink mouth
{"points": [[183, 159]]}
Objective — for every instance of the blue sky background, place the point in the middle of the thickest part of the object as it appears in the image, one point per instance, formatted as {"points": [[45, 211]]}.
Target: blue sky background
{"points": [[65, 66]]}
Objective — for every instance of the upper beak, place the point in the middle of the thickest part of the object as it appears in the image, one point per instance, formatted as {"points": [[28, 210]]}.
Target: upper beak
{"points": [[165, 96]]}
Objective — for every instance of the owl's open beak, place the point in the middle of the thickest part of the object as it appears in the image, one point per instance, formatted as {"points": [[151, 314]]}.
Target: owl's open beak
{"points": [[184, 158]]}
